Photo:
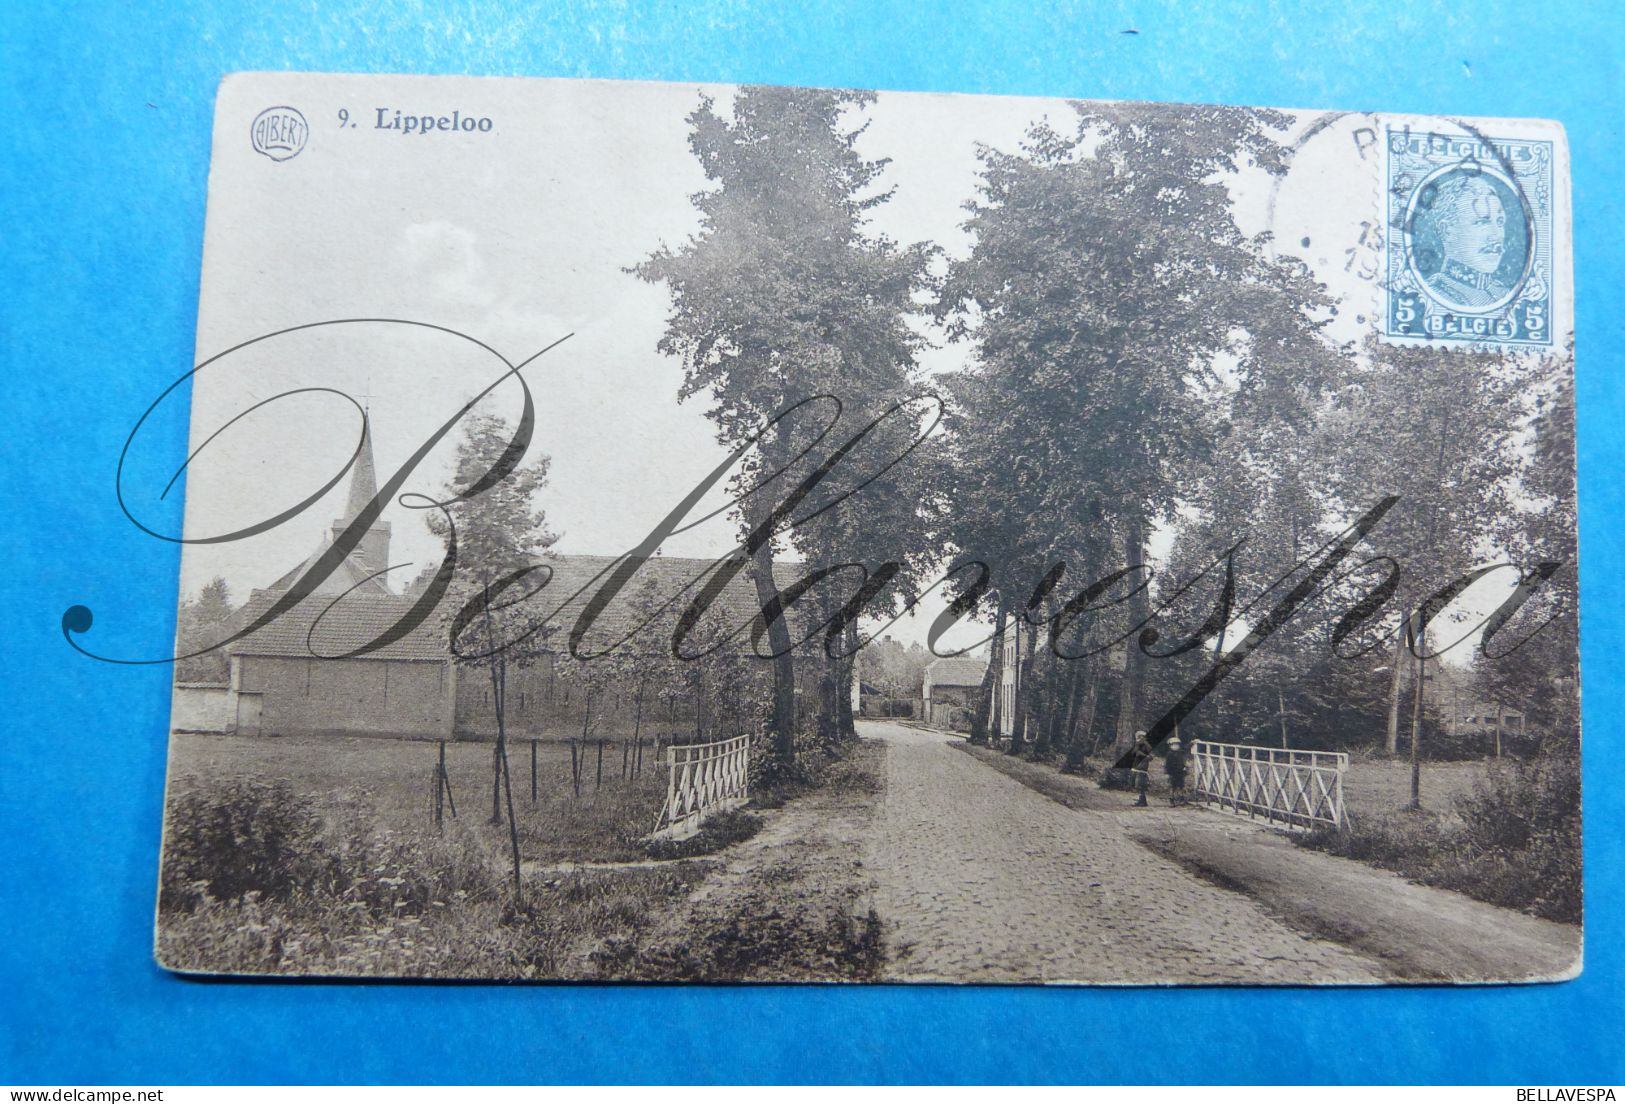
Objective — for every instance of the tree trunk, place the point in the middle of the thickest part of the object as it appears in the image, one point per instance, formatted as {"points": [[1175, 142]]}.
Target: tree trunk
{"points": [[1077, 743], [784, 668], [507, 787], [1392, 743], [848, 668], [1049, 710], [1038, 710], [828, 723], [1094, 708], [1066, 701], [1023, 694], [503, 783], [496, 752], [496, 781], [1416, 723], [1128, 709], [990, 682]]}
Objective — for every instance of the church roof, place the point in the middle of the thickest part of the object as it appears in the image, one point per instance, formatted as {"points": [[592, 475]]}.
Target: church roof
{"points": [[354, 572], [311, 628]]}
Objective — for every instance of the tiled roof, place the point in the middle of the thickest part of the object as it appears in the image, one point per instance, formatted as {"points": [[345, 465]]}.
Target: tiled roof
{"points": [[310, 628], [360, 618], [956, 671]]}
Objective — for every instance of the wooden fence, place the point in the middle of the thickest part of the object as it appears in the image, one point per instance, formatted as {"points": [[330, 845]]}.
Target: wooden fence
{"points": [[1298, 789], [703, 780]]}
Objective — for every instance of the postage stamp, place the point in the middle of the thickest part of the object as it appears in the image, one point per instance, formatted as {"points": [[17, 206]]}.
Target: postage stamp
{"points": [[1469, 247]]}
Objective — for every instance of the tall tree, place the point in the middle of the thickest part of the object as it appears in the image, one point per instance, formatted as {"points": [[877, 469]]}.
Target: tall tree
{"points": [[1541, 677], [203, 621], [1440, 431], [1107, 279], [500, 532], [784, 295]]}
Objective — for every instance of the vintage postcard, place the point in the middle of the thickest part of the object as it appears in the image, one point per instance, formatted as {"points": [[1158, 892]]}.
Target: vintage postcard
{"points": [[668, 532]]}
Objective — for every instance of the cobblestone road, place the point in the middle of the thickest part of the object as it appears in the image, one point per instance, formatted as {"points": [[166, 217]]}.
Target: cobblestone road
{"points": [[983, 879]]}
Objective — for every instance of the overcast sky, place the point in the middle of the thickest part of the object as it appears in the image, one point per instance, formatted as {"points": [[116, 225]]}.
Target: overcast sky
{"points": [[518, 237]]}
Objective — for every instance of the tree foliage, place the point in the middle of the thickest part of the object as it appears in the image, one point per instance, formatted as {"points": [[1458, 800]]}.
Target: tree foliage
{"points": [[784, 297]]}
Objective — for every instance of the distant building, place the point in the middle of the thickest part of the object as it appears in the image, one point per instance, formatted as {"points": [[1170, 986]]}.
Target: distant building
{"points": [[283, 683], [1485, 718], [1008, 689], [949, 689], [1450, 691]]}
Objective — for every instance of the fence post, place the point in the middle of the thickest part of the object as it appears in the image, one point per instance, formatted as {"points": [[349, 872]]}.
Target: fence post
{"points": [[440, 787], [445, 780], [575, 768], [533, 772], [671, 791]]}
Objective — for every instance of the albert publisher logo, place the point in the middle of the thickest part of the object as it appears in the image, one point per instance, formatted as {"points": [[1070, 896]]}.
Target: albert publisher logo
{"points": [[279, 133]]}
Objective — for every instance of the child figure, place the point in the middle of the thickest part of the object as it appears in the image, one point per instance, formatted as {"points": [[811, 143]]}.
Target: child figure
{"points": [[1175, 765], [1142, 764]]}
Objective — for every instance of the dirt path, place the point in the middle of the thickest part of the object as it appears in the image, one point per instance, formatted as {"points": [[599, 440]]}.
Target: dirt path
{"points": [[981, 878], [792, 903], [1413, 932]]}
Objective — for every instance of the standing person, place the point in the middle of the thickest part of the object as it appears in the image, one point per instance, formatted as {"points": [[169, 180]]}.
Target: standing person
{"points": [[1142, 764], [1175, 764]]}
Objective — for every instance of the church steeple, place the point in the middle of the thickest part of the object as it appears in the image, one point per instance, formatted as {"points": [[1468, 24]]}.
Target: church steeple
{"points": [[362, 569], [372, 554], [364, 480]]}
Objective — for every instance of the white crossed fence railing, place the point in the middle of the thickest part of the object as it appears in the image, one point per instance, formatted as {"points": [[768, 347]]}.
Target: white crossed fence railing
{"points": [[1300, 789], [703, 780]]}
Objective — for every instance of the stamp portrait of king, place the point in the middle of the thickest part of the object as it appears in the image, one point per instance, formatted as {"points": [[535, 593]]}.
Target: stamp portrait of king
{"points": [[1469, 240]]}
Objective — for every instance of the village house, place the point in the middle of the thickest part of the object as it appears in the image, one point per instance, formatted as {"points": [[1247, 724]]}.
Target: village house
{"points": [[949, 690]]}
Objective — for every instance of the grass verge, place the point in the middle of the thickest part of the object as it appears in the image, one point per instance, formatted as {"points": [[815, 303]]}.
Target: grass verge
{"points": [[257, 880], [1512, 840]]}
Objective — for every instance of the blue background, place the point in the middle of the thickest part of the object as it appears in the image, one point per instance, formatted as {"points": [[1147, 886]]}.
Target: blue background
{"points": [[104, 149]]}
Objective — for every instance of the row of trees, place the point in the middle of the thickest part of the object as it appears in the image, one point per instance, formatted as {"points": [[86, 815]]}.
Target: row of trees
{"points": [[1135, 364]]}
